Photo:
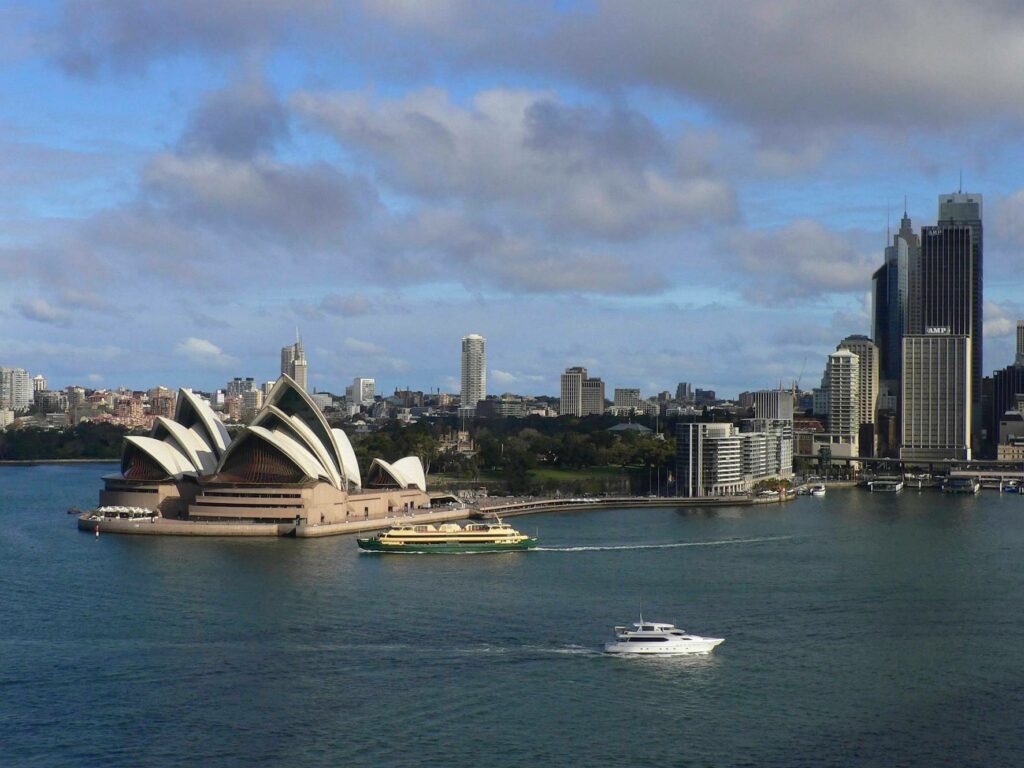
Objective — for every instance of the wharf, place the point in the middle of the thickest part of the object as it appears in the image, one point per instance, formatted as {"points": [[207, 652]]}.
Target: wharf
{"points": [[170, 527]]}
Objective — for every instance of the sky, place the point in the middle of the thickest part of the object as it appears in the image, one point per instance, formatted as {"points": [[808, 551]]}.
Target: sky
{"points": [[662, 190]]}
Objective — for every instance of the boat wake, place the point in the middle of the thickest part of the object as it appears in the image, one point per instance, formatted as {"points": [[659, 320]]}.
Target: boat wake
{"points": [[673, 545]]}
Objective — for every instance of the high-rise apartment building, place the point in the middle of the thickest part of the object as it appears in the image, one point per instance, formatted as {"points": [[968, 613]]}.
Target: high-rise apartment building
{"points": [[843, 379], [294, 363], [474, 371], [39, 383], [709, 460], [239, 386], [16, 391], [936, 396]]}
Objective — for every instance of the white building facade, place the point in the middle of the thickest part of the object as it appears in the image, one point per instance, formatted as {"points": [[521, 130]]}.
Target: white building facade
{"points": [[474, 371]]}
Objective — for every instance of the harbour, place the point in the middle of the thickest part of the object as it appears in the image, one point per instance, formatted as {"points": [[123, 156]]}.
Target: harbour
{"points": [[264, 634]]}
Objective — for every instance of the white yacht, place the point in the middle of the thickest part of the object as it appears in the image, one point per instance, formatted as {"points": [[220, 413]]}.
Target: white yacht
{"points": [[649, 637], [817, 490]]}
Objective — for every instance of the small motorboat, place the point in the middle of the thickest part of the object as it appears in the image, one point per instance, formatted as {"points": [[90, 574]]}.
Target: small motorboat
{"points": [[817, 490]]}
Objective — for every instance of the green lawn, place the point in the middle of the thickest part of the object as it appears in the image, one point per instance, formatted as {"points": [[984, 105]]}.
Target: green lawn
{"points": [[568, 475]]}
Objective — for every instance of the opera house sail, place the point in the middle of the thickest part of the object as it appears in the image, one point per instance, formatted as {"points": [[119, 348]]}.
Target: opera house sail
{"points": [[287, 469]]}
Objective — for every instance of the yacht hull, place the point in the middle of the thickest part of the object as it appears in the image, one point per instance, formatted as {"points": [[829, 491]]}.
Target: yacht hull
{"points": [[688, 648]]}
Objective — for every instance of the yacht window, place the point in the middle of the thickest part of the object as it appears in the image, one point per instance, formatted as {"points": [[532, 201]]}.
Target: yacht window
{"points": [[647, 628]]}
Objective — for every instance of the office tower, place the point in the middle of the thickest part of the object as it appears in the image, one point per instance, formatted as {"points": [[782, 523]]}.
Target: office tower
{"points": [[474, 371], [362, 391], [570, 402], [893, 306], [39, 383], [627, 398], [936, 396], [580, 394], [843, 374], [709, 460], [593, 397], [957, 211], [1019, 360], [684, 392], [294, 363], [773, 404]]}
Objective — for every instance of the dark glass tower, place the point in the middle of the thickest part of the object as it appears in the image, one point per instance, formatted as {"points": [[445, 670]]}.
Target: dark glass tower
{"points": [[958, 210], [892, 300]]}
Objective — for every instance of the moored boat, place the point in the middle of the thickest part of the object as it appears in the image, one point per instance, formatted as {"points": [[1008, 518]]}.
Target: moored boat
{"points": [[886, 485], [817, 490], [448, 538], [968, 485]]}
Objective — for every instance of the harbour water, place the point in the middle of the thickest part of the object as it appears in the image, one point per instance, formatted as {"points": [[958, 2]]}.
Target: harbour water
{"points": [[861, 629]]}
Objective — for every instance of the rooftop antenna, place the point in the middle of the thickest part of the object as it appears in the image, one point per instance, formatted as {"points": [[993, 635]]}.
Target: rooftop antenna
{"points": [[904, 206]]}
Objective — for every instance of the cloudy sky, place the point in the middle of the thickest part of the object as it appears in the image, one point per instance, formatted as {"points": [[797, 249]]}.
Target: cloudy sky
{"points": [[662, 191]]}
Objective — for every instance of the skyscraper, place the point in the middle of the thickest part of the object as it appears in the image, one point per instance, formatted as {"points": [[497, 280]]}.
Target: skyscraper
{"points": [[958, 210], [936, 396], [293, 363], [893, 308], [474, 371], [1020, 343]]}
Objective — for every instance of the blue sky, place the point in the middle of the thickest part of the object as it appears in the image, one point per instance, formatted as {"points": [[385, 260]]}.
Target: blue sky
{"points": [[662, 191]]}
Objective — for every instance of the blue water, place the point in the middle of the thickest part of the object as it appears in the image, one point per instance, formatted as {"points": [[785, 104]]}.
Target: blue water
{"points": [[860, 630]]}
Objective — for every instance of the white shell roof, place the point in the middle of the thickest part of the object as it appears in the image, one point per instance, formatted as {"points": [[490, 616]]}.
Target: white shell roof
{"points": [[190, 442], [288, 446], [173, 461], [295, 427], [217, 433], [281, 387], [411, 469], [349, 463], [405, 472]]}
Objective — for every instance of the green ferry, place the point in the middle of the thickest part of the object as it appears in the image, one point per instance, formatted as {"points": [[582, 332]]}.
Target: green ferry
{"points": [[449, 538]]}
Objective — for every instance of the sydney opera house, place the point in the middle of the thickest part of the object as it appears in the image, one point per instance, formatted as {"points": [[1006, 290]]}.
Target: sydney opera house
{"points": [[287, 469]]}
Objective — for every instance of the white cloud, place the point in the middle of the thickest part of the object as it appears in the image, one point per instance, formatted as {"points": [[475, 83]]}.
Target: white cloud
{"points": [[529, 155], [204, 353], [998, 321], [42, 311], [362, 347]]}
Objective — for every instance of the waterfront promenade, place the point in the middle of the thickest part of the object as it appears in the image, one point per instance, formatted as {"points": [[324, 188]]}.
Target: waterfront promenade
{"points": [[504, 507]]}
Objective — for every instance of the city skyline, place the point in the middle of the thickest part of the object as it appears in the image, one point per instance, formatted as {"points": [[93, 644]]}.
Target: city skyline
{"points": [[209, 180]]}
